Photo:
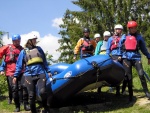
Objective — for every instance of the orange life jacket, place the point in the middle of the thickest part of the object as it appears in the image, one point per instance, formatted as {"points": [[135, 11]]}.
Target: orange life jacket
{"points": [[130, 43], [87, 46], [115, 42]]}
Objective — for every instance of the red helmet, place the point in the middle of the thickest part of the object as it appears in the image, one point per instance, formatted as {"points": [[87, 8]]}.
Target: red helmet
{"points": [[131, 24]]}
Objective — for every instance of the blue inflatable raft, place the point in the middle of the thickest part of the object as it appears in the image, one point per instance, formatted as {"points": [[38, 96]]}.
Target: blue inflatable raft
{"points": [[83, 75]]}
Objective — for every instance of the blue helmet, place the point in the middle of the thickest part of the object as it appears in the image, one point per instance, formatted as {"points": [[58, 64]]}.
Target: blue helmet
{"points": [[16, 37]]}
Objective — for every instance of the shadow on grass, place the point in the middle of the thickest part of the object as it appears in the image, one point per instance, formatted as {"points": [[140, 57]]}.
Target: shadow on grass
{"points": [[94, 102], [2, 97]]}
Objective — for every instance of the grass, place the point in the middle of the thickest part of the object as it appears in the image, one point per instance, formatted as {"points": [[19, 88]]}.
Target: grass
{"points": [[93, 102]]}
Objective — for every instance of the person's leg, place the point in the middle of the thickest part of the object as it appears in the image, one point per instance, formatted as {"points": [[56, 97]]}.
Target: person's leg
{"points": [[115, 57], [15, 95], [139, 68], [127, 64], [9, 91], [41, 84], [130, 89], [118, 90], [20, 90], [30, 84], [99, 89], [25, 94], [124, 85]]}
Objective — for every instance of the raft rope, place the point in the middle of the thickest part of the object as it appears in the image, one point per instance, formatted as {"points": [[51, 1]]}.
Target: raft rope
{"points": [[94, 64]]}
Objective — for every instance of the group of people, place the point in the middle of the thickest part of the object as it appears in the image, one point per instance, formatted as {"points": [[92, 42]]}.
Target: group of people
{"points": [[25, 69], [124, 48]]}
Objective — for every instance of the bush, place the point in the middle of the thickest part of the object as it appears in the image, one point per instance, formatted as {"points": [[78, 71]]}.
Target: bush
{"points": [[3, 84]]}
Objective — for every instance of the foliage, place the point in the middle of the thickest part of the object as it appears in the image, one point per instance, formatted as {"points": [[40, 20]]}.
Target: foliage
{"points": [[101, 15], [3, 84], [1, 34], [50, 58]]}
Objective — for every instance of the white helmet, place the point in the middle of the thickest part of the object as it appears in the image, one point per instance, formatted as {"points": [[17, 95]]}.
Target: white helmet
{"points": [[118, 26], [106, 33], [32, 36], [97, 35], [29, 37]]}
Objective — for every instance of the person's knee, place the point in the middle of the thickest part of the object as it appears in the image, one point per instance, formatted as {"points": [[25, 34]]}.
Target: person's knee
{"points": [[32, 97], [19, 87], [141, 72], [43, 93], [14, 88]]}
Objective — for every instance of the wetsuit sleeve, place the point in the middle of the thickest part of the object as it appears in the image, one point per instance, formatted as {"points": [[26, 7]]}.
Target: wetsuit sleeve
{"points": [[19, 64], [108, 46], [98, 48], [143, 48], [3, 65], [45, 63], [77, 47]]}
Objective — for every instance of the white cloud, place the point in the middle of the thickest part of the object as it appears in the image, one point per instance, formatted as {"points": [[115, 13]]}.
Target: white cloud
{"points": [[47, 43], [57, 22], [6, 40], [50, 43]]}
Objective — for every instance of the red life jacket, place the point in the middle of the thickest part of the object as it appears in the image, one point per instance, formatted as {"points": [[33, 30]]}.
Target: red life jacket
{"points": [[130, 43], [87, 46], [115, 42], [12, 53]]}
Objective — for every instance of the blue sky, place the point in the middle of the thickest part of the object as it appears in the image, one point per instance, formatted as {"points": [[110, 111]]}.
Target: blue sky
{"points": [[23, 16], [40, 16]]}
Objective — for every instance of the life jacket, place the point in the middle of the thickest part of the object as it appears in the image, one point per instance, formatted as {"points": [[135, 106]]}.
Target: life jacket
{"points": [[86, 45], [103, 47], [33, 56], [12, 53], [115, 42], [130, 43]]}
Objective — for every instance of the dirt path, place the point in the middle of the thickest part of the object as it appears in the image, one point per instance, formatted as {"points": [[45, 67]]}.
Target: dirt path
{"points": [[143, 101]]}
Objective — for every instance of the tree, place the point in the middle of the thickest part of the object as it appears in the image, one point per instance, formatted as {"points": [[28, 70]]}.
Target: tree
{"points": [[1, 34], [50, 58], [101, 15], [3, 83]]}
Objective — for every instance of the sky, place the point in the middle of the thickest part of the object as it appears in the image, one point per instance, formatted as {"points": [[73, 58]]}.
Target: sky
{"points": [[41, 17]]}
